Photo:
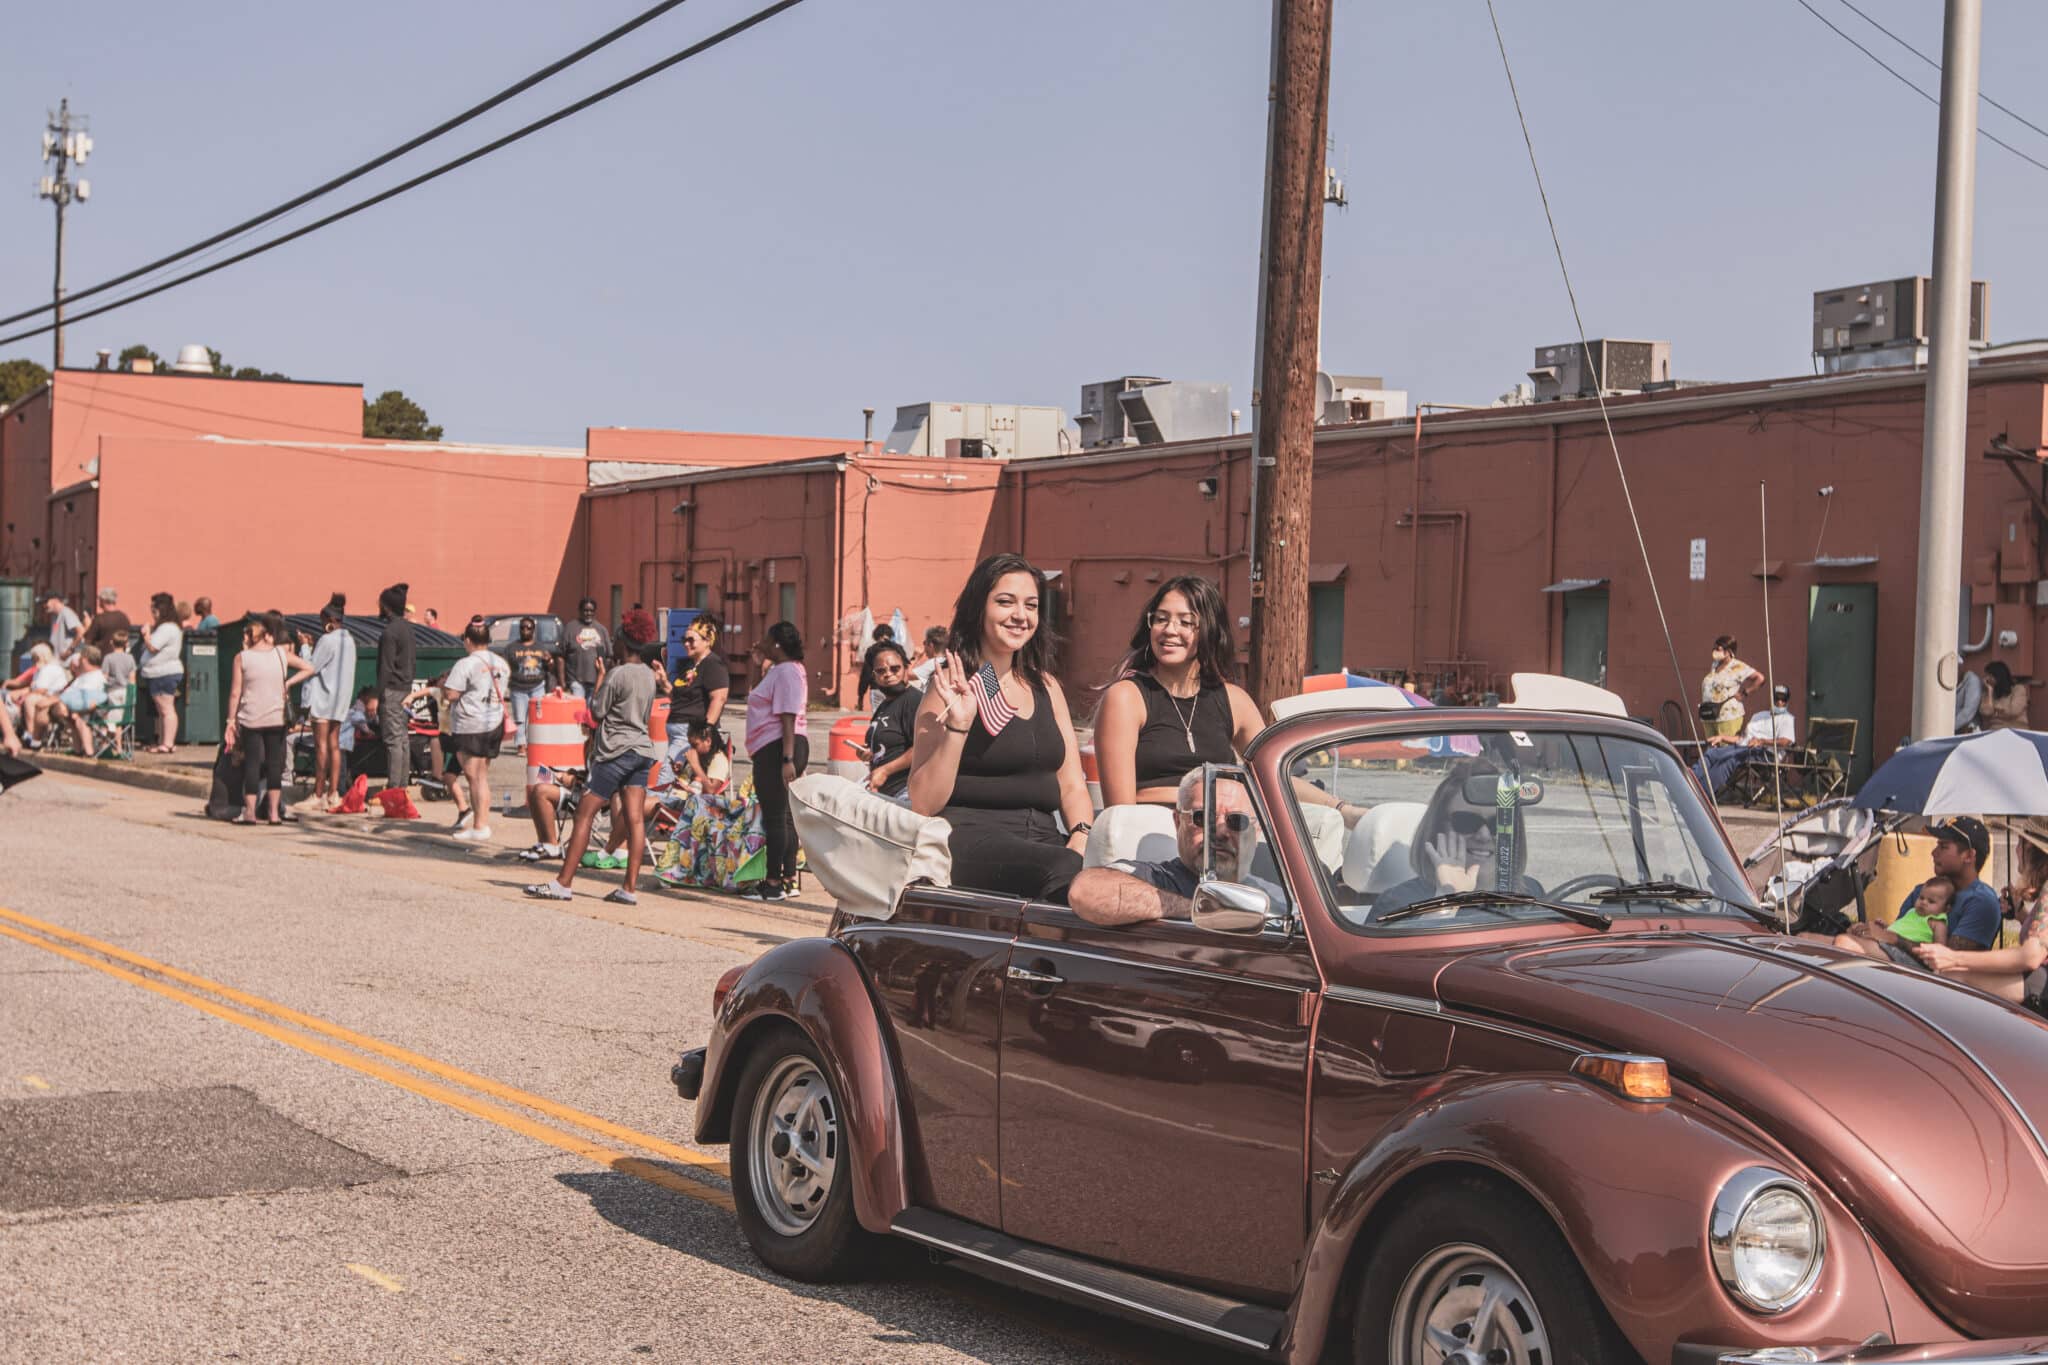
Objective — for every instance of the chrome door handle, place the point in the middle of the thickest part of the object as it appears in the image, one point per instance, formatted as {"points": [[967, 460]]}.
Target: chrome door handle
{"points": [[1035, 978]]}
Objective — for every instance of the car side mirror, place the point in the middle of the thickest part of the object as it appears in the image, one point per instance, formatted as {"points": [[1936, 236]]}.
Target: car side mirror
{"points": [[1230, 907]]}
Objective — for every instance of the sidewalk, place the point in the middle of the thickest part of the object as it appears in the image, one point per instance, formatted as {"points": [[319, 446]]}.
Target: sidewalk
{"points": [[189, 773]]}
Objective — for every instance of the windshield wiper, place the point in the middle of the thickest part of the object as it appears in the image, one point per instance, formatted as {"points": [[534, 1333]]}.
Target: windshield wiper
{"points": [[1679, 891], [1583, 914]]}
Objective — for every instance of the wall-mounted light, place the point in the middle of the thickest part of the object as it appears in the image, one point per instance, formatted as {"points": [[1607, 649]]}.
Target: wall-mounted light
{"points": [[1206, 487]]}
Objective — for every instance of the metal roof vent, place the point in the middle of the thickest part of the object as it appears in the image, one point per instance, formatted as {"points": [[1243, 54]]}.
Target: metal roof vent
{"points": [[193, 359]]}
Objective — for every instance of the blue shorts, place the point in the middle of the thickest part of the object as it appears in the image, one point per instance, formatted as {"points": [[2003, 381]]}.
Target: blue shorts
{"points": [[165, 687], [613, 774]]}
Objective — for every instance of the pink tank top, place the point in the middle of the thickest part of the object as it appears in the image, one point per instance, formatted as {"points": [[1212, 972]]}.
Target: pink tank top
{"points": [[263, 673]]}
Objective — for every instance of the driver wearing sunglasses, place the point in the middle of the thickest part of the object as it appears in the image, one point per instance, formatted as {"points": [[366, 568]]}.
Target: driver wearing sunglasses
{"points": [[1455, 846], [1132, 891]]}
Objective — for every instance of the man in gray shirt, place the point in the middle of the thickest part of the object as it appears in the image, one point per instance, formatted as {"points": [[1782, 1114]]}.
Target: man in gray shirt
{"points": [[621, 757], [1132, 891]]}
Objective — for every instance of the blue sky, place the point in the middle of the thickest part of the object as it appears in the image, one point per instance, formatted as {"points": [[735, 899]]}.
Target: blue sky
{"points": [[874, 202]]}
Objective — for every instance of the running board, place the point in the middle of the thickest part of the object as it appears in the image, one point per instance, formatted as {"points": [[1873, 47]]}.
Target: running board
{"points": [[1208, 1316]]}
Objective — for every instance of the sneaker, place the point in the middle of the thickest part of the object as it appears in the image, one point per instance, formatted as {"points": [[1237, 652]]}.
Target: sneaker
{"points": [[473, 836], [550, 891], [764, 891], [460, 821], [622, 897]]}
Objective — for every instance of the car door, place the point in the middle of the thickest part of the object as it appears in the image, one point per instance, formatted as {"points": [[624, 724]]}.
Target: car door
{"points": [[1153, 1097], [937, 972]]}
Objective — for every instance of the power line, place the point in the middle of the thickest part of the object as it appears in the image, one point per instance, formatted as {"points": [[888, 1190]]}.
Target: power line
{"points": [[467, 115], [617, 87], [1606, 421], [1907, 81], [2003, 109]]}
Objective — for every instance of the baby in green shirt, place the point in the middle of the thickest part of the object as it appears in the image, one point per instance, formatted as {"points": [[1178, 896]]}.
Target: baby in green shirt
{"points": [[1926, 922]]}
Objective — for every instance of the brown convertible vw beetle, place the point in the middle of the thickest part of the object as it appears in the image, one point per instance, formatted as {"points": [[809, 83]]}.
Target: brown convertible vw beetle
{"points": [[1496, 1063]]}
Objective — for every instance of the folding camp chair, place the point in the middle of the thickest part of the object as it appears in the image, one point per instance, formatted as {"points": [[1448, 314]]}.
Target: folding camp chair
{"points": [[1820, 767], [111, 725]]}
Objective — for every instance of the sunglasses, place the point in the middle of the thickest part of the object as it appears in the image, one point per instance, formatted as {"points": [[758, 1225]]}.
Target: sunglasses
{"points": [[1236, 821], [1469, 822]]}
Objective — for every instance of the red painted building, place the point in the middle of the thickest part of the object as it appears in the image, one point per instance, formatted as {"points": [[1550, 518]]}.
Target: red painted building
{"points": [[1508, 546]]}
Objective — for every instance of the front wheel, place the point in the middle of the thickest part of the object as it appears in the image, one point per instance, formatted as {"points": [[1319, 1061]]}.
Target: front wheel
{"points": [[791, 1172], [1466, 1274]]}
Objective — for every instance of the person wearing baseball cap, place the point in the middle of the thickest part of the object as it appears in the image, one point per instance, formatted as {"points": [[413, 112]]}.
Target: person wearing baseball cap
{"points": [[1962, 845], [2019, 973]]}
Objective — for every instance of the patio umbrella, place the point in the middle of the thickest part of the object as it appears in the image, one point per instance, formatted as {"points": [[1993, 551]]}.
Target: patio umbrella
{"points": [[1329, 682], [1995, 772]]}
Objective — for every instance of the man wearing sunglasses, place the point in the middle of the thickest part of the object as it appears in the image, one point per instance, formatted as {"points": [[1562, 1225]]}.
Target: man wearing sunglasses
{"points": [[1132, 891]]}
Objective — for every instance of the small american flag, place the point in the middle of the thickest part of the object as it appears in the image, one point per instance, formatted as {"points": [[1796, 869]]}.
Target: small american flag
{"points": [[996, 711]]}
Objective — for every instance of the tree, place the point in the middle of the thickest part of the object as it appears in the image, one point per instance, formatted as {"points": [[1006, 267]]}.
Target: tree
{"points": [[397, 418], [19, 378]]}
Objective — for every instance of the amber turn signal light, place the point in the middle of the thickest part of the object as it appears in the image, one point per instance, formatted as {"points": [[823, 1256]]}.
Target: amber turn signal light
{"points": [[1629, 1076]]}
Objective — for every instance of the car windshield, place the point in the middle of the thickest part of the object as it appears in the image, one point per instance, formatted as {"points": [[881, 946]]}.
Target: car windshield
{"points": [[505, 630], [1429, 830]]}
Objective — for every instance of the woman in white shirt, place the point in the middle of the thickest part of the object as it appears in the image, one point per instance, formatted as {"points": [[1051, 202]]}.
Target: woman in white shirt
{"points": [[163, 668], [326, 696], [476, 692]]}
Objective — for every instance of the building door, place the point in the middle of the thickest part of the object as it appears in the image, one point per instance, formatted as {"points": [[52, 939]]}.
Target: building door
{"points": [[1585, 635], [1326, 628], [1841, 661]]}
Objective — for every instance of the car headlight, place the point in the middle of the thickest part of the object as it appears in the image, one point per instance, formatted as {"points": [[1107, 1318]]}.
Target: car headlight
{"points": [[1767, 1239]]}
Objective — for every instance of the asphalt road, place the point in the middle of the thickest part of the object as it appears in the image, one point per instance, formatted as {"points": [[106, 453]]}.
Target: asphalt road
{"points": [[328, 1092]]}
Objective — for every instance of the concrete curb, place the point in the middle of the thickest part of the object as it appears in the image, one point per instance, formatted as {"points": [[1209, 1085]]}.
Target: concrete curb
{"points": [[128, 774]]}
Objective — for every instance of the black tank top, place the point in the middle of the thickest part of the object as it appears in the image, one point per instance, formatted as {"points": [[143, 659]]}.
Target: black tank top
{"points": [[1164, 754], [1017, 769]]}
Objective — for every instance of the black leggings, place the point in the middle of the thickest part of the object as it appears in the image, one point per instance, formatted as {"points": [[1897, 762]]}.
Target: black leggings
{"points": [[776, 825], [1011, 852], [262, 758]]}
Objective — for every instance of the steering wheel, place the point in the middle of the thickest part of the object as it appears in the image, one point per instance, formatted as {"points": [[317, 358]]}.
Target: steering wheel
{"points": [[1584, 882]]}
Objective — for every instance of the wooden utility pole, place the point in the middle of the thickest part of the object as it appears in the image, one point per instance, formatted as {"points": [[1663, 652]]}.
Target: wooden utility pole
{"points": [[1290, 318]]}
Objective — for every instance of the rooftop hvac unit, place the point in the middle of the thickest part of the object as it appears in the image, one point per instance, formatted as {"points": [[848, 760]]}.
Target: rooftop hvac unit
{"points": [[1887, 313], [1573, 370]]}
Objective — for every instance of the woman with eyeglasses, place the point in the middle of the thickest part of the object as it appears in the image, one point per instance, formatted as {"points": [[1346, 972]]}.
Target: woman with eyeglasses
{"points": [[1174, 707], [894, 722], [1456, 845]]}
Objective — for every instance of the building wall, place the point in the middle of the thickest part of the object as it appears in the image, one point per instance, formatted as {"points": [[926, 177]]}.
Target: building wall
{"points": [[255, 525], [883, 533], [1490, 541], [73, 562], [651, 445], [24, 486], [94, 403]]}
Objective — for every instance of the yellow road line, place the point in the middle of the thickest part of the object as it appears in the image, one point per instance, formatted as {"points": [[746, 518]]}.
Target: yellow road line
{"points": [[376, 1277], [35, 1082], [481, 1084], [519, 1123]]}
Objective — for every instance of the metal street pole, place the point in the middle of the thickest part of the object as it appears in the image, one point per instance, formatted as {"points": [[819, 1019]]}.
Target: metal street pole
{"points": [[1290, 320], [57, 334], [1936, 662]]}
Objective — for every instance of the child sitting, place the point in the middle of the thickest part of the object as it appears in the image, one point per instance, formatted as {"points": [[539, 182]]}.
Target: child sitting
{"points": [[1926, 922]]}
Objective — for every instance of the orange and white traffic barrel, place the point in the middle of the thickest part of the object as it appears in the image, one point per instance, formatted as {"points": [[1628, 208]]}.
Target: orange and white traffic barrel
{"points": [[657, 721], [554, 739], [841, 757]]}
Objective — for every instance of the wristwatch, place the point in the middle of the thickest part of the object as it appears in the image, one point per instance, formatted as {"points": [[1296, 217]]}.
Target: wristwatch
{"points": [[1081, 828]]}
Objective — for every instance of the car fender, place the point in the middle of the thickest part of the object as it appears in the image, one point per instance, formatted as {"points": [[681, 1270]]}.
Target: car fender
{"points": [[817, 985], [1629, 1185]]}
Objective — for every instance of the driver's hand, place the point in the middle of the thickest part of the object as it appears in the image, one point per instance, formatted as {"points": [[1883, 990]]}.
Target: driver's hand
{"points": [[1454, 869]]}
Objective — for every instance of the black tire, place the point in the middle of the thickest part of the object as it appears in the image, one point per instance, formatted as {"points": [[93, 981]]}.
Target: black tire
{"points": [[1435, 1250], [799, 1226]]}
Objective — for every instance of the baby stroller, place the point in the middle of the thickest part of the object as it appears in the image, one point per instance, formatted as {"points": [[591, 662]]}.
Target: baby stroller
{"points": [[1830, 854]]}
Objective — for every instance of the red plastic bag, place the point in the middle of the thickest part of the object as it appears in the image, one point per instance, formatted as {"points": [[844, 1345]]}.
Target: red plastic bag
{"points": [[397, 803], [352, 801]]}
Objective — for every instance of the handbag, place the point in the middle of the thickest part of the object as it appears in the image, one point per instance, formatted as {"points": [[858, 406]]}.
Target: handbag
{"points": [[511, 724]]}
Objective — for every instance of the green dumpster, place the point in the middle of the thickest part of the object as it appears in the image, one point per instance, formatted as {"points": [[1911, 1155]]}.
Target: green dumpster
{"points": [[206, 694]]}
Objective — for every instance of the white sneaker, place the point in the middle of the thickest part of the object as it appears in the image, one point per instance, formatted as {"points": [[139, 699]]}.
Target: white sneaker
{"points": [[472, 836]]}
